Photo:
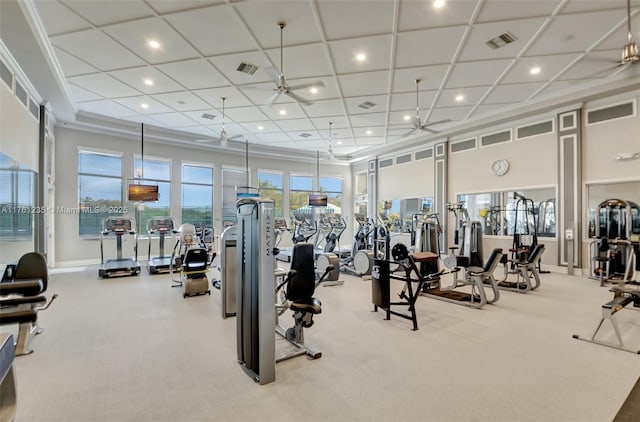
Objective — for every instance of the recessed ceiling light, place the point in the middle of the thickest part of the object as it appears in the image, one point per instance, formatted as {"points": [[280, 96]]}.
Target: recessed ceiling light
{"points": [[144, 105], [535, 70], [339, 142], [154, 44], [148, 82], [407, 117], [283, 112], [459, 98], [438, 4], [369, 132], [260, 127], [361, 57], [313, 90]]}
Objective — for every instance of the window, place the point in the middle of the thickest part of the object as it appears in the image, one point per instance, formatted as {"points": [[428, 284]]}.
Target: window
{"points": [[100, 190], [332, 186], [17, 200], [300, 187], [231, 178], [154, 172], [270, 185], [197, 195]]}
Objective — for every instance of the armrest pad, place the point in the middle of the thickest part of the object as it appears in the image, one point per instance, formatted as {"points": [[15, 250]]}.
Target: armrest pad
{"points": [[35, 300], [26, 287]]}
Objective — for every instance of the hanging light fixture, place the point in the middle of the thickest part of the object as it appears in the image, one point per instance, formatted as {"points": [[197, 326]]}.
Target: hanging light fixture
{"points": [[140, 170], [223, 134], [330, 154]]}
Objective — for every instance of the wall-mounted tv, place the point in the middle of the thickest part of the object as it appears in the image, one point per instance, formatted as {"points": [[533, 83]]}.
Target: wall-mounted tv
{"points": [[143, 193], [318, 200]]}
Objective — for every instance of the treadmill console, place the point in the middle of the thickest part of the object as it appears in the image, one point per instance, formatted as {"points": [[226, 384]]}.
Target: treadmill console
{"points": [[160, 224], [117, 225]]}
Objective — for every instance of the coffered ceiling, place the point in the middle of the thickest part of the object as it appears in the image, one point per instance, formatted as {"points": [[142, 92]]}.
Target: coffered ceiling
{"points": [[103, 48]]}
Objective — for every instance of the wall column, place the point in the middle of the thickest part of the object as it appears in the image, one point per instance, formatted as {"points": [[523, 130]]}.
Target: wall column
{"points": [[440, 189]]}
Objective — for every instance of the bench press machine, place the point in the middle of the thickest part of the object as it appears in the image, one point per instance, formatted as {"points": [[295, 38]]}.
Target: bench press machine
{"points": [[622, 296]]}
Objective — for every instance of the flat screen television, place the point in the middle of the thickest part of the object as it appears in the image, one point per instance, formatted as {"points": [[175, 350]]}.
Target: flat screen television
{"points": [[318, 200], [143, 193]]}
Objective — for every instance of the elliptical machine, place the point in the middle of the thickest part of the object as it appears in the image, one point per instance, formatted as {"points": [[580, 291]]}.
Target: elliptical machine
{"points": [[191, 261]]}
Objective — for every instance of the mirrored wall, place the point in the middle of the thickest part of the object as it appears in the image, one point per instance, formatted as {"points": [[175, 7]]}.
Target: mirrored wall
{"points": [[397, 214], [521, 211], [625, 191]]}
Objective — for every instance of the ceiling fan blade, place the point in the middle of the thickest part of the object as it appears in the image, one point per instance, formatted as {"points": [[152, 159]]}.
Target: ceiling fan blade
{"points": [[298, 98], [317, 84], [272, 98], [273, 74], [411, 132], [207, 140], [436, 123], [426, 129], [234, 137]]}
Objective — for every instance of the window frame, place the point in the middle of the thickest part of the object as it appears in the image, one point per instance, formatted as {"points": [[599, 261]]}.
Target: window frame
{"points": [[183, 183]]}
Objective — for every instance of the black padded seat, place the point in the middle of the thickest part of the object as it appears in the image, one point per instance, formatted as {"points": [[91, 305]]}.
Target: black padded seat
{"points": [[311, 305], [32, 287], [18, 317]]}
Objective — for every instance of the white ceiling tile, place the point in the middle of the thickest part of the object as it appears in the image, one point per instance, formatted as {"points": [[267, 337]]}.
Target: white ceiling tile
{"points": [[407, 101], [549, 68], [173, 120], [471, 96], [598, 64], [135, 103], [476, 47], [491, 109], [453, 113], [200, 130], [404, 80], [80, 94], [503, 10], [244, 114], [477, 73], [292, 110], [370, 140], [322, 123], [267, 127], [574, 6], [427, 47], [136, 76], [273, 137], [72, 66], [367, 121], [574, 33], [397, 118], [141, 118], [181, 101], [97, 49], [301, 136], [103, 84], [194, 74], [513, 93], [353, 104], [197, 116], [100, 12], [228, 65], [58, 18], [360, 84], [168, 6], [213, 30], [294, 124], [346, 19], [214, 96], [324, 108], [106, 108], [558, 88], [137, 34], [376, 48], [422, 14], [619, 37], [302, 61], [263, 17]]}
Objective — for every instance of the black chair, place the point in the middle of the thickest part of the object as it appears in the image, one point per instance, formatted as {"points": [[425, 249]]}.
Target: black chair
{"points": [[24, 298], [485, 274], [530, 266], [299, 285]]}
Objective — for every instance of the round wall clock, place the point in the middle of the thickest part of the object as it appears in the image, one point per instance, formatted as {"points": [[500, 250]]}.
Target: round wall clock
{"points": [[500, 167]]}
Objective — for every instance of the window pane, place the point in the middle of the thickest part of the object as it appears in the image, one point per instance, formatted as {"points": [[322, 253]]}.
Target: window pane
{"points": [[270, 180], [16, 199], [156, 170], [197, 204], [98, 196], [162, 208], [276, 196], [231, 178], [197, 174], [103, 164], [331, 184], [301, 183]]}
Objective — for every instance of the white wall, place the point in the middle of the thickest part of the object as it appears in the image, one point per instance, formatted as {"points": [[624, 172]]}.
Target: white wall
{"points": [[409, 180], [70, 249]]}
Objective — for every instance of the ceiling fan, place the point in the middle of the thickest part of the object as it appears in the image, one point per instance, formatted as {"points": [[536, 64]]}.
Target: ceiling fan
{"points": [[417, 123], [223, 133], [630, 50], [282, 87]]}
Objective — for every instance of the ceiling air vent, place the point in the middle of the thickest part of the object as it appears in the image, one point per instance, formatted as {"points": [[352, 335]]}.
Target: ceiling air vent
{"points": [[247, 68], [501, 40], [367, 105], [208, 116], [305, 135]]}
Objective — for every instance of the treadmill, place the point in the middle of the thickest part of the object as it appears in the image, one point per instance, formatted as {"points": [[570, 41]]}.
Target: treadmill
{"points": [[162, 226], [119, 266]]}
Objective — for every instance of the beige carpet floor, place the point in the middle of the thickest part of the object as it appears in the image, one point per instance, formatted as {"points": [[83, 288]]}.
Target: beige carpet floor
{"points": [[132, 349]]}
